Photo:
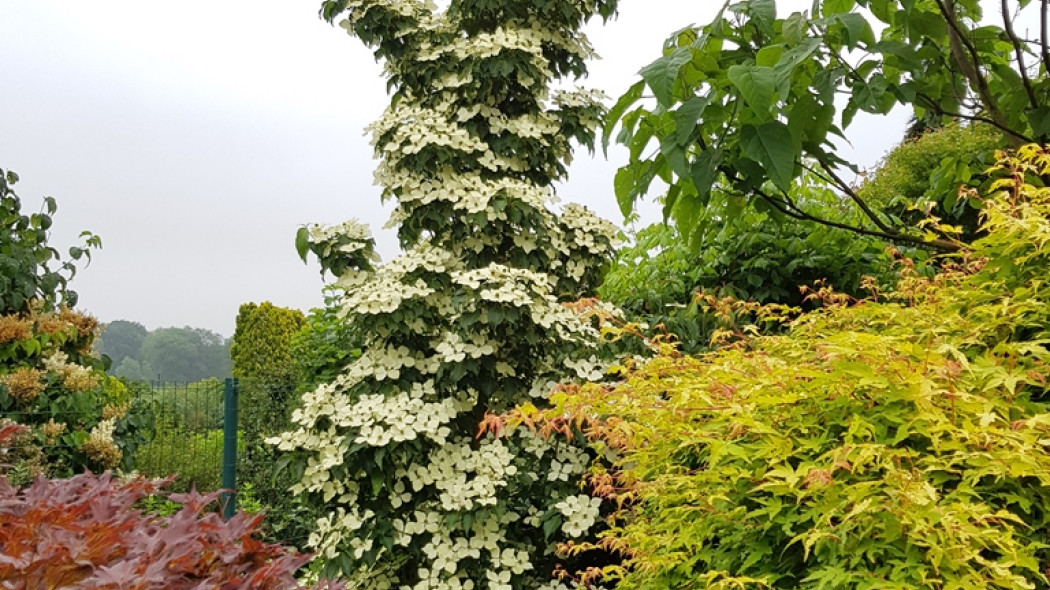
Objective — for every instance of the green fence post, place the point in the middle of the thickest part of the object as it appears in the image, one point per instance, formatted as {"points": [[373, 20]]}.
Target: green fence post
{"points": [[229, 450]]}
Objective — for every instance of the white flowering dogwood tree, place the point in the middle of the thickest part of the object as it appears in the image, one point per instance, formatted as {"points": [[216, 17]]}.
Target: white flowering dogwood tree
{"points": [[472, 317]]}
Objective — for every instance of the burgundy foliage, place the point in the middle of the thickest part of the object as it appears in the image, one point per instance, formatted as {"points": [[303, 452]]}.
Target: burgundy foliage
{"points": [[85, 533]]}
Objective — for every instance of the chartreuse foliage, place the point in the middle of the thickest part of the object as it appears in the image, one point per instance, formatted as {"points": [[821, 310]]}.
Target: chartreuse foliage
{"points": [[470, 318], [748, 102], [896, 442]]}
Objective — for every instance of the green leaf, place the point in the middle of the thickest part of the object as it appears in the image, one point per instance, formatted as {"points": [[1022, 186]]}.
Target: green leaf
{"points": [[687, 116], [661, 74], [302, 242], [1039, 119], [623, 183], [858, 29], [771, 145], [675, 156], [704, 171], [794, 28], [756, 84], [613, 116], [831, 7]]}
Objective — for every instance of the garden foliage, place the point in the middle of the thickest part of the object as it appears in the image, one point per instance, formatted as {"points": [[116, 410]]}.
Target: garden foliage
{"points": [[85, 532], [747, 256], [49, 378], [470, 318], [899, 441], [747, 102]]}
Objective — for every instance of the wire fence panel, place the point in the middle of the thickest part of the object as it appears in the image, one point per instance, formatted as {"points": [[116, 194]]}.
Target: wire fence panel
{"points": [[187, 438]]}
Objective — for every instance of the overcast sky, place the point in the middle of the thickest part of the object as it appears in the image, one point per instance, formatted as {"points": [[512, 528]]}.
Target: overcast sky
{"points": [[196, 136]]}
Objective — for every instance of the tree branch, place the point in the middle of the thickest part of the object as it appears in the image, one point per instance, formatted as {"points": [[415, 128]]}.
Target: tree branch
{"points": [[940, 111], [1019, 53], [969, 62], [1044, 8], [791, 210], [852, 194]]}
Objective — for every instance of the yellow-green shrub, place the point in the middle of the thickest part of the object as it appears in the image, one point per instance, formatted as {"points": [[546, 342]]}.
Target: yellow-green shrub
{"points": [[898, 442]]}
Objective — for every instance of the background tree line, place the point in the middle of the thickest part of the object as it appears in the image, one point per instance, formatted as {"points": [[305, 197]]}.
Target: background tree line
{"points": [[166, 354]]}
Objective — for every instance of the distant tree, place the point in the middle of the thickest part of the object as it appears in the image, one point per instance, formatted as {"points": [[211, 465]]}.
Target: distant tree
{"points": [[121, 339], [132, 369], [185, 354]]}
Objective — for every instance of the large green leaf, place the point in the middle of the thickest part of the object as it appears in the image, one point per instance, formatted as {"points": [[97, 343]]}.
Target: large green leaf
{"points": [[704, 171], [623, 183], [756, 84], [770, 144], [661, 74], [686, 117], [794, 28], [614, 114]]}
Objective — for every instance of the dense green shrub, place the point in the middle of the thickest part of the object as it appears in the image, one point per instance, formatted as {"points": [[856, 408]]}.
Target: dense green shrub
{"points": [[324, 345], [30, 269], [895, 442], [924, 175], [749, 256], [194, 457]]}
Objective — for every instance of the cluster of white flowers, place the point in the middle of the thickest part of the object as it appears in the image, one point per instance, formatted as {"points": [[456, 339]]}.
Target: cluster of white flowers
{"points": [[452, 348], [466, 478], [74, 377], [423, 11], [531, 40], [580, 513], [103, 431], [384, 294], [470, 192], [505, 284], [357, 234], [411, 128], [568, 461], [331, 530], [586, 227], [588, 369]]}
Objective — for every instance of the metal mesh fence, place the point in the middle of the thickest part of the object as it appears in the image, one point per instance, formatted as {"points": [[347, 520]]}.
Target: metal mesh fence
{"points": [[166, 429], [187, 437]]}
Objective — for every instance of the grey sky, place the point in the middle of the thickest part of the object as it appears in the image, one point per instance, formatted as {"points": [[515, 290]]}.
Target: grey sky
{"points": [[195, 137]]}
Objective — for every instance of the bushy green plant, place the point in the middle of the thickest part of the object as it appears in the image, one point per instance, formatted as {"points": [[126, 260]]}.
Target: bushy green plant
{"points": [[49, 378], [33, 271], [324, 345], [924, 176], [895, 442], [747, 256], [195, 458]]}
